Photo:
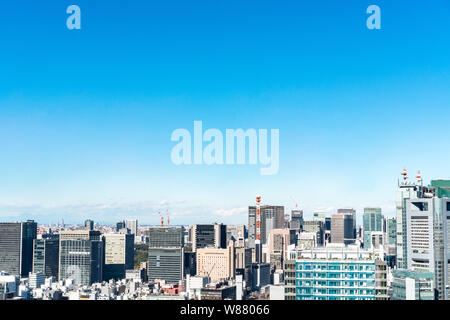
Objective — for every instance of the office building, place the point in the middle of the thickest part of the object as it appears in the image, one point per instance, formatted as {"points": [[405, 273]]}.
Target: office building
{"points": [[391, 231], [81, 256], [120, 225], [119, 255], [428, 237], [217, 264], [36, 280], [190, 263], [279, 240], [343, 228], [296, 222], [372, 222], [132, 225], [166, 254], [406, 190], [339, 273], [412, 285], [316, 227], [89, 225], [16, 247], [46, 255], [209, 236], [260, 275], [272, 217], [238, 234]]}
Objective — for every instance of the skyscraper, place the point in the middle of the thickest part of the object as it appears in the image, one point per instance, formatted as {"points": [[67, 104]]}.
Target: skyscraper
{"points": [[427, 224], [406, 190], [373, 222], [89, 225], [209, 236], [296, 220], [133, 226], [343, 227], [272, 217], [81, 256], [16, 247], [46, 255], [166, 254], [119, 255]]}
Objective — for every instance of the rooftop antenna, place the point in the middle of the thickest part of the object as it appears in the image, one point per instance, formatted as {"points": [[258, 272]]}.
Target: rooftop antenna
{"points": [[405, 175], [419, 178]]}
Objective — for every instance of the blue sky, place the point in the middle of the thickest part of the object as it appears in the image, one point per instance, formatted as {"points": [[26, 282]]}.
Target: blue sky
{"points": [[86, 115]]}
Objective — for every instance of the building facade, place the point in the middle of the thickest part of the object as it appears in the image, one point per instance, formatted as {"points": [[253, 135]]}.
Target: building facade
{"points": [[16, 247]]}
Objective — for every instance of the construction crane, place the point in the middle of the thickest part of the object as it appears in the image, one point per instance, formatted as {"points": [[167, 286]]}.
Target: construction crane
{"points": [[162, 219], [296, 204], [168, 219]]}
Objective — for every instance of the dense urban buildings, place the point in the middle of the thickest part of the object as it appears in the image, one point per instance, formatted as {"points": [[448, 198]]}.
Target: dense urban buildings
{"points": [[302, 256]]}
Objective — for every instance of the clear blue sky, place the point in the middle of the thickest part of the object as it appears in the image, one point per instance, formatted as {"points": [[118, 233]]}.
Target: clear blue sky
{"points": [[86, 115]]}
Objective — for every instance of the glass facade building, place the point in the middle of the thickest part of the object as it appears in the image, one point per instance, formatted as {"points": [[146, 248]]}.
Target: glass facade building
{"points": [[46, 256], [335, 279]]}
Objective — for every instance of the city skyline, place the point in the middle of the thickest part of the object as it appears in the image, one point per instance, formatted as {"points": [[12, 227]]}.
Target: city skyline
{"points": [[86, 115]]}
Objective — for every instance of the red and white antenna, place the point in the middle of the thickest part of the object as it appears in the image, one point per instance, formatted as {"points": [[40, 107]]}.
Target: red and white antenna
{"points": [[419, 178], [405, 175], [258, 244]]}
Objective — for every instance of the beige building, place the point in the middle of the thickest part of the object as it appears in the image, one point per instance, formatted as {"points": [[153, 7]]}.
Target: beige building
{"points": [[279, 240], [119, 249], [217, 264]]}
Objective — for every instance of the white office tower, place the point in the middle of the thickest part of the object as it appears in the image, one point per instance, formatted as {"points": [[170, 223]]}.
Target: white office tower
{"points": [[406, 190], [133, 226], [428, 238]]}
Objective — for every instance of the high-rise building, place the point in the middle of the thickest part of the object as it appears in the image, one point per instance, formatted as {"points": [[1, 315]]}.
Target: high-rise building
{"points": [[279, 240], [166, 254], [316, 227], [372, 222], [272, 217], [343, 228], [296, 220], [89, 225], [217, 264], [120, 225], [133, 226], [16, 247], [209, 236], [119, 255], [427, 242], [238, 234], [391, 231], [81, 256], [46, 255], [340, 273], [406, 190]]}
